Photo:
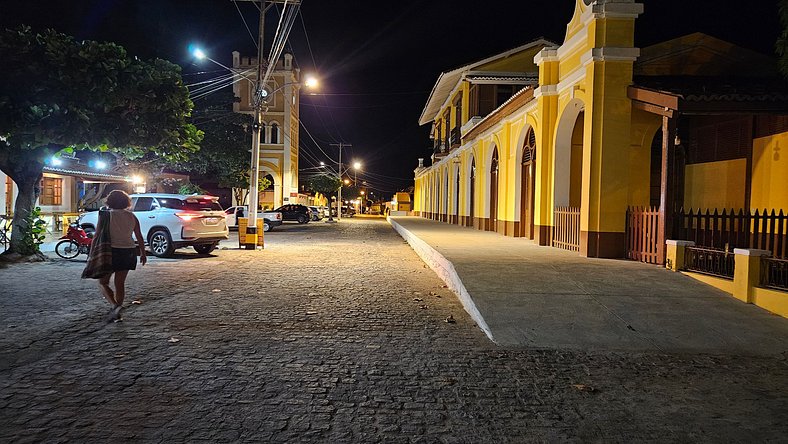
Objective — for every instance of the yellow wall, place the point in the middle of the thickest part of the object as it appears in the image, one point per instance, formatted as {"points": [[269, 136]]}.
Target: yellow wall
{"points": [[770, 173], [645, 127], [715, 184]]}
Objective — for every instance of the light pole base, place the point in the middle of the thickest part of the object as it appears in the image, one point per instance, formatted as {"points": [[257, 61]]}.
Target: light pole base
{"points": [[251, 238]]}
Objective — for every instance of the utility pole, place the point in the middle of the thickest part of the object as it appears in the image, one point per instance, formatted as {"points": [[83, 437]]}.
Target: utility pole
{"points": [[339, 197], [258, 100], [254, 179]]}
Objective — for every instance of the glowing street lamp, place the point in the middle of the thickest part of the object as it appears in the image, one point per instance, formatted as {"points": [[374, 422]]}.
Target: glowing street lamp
{"points": [[356, 167], [139, 183]]}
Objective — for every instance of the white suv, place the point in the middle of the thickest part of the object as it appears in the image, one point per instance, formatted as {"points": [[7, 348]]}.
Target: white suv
{"points": [[170, 221]]}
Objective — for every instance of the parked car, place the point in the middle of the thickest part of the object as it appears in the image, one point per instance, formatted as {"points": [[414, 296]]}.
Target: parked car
{"points": [[317, 213], [271, 219], [171, 221], [295, 212]]}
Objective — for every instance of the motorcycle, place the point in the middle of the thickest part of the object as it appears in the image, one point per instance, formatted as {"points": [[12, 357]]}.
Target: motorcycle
{"points": [[75, 242]]}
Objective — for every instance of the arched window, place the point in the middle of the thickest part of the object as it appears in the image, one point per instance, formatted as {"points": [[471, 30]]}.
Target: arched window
{"points": [[274, 133]]}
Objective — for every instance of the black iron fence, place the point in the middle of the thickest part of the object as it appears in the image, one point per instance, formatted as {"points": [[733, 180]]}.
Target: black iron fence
{"points": [[710, 261], [730, 229], [774, 273]]}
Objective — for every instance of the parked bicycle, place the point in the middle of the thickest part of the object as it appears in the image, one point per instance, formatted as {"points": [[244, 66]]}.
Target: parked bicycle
{"points": [[75, 242], [5, 230]]}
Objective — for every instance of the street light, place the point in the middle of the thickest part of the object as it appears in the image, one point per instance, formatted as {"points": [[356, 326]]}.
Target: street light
{"points": [[356, 167]]}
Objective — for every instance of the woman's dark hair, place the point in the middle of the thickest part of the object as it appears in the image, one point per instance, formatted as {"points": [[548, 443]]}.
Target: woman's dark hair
{"points": [[118, 200]]}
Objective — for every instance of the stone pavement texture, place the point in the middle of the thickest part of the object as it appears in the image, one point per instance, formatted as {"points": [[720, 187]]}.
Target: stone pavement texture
{"points": [[528, 295], [337, 333]]}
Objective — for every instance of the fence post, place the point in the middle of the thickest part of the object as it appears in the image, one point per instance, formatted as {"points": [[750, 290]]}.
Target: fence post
{"points": [[747, 272], [675, 253]]}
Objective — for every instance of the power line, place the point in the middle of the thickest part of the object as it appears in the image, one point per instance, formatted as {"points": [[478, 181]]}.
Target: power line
{"points": [[245, 24]]}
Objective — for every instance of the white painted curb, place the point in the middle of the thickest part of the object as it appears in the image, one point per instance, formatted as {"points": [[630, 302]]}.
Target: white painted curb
{"points": [[445, 270]]}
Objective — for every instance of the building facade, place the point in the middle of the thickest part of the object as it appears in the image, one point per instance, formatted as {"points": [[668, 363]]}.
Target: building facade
{"points": [[280, 120], [65, 190], [596, 131]]}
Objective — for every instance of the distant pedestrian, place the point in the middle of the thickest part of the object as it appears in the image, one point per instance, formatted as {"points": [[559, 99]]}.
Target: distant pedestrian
{"points": [[122, 224]]}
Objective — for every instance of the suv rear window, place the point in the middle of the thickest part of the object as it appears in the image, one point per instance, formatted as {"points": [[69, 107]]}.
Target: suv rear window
{"points": [[191, 205]]}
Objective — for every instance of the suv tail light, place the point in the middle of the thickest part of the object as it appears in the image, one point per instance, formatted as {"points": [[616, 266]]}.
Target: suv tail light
{"points": [[188, 216], [278, 216]]}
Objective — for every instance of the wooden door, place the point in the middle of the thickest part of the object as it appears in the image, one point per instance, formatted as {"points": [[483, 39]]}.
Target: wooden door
{"points": [[527, 184]]}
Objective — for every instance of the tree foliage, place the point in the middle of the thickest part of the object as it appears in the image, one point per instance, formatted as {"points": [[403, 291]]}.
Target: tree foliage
{"points": [[781, 46], [57, 94], [224, 150], [325, 184]]}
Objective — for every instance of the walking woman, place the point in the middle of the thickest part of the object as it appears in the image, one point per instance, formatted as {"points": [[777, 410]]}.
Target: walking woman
{"points": [[122, 224]]}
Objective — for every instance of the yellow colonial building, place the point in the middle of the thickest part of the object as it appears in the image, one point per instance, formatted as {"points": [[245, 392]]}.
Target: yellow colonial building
{"points": [[600, 147], [279, 137]]}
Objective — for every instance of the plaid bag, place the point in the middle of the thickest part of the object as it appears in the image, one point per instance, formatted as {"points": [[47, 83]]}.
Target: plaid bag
{"points": [[100, 257]]}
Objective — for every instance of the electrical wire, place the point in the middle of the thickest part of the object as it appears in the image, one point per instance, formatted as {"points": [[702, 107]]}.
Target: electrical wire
{"points": [[316, 144], [211, 80], [245, 24]]}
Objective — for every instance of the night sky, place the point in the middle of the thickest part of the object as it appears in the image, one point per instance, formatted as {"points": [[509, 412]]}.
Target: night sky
{"points": [[377, 61]]}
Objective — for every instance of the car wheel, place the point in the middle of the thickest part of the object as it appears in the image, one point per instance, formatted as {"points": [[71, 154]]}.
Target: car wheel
{"points": [[302, 219], [266, 226], [161, 244], [204, 248]]}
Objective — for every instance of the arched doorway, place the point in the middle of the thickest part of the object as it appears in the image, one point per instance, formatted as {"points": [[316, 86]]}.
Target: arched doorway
{"points": [[445, 213], [438, 194], [568, 177], [493, 223], [267, 198], [472, 197], [527, 183], [457, 196]]}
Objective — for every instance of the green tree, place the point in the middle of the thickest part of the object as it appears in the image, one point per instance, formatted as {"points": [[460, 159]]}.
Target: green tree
{"points": [[58, 94], [224, 150], [190, 188], [326, 185], [239, 181], [781, 47]]}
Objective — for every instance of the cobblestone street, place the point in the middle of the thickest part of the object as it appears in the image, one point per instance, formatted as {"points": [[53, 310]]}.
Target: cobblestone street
{"points": [[336, 333]]}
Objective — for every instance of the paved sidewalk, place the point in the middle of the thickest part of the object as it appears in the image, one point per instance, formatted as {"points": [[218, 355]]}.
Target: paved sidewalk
{"points": [[522, 294]]}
